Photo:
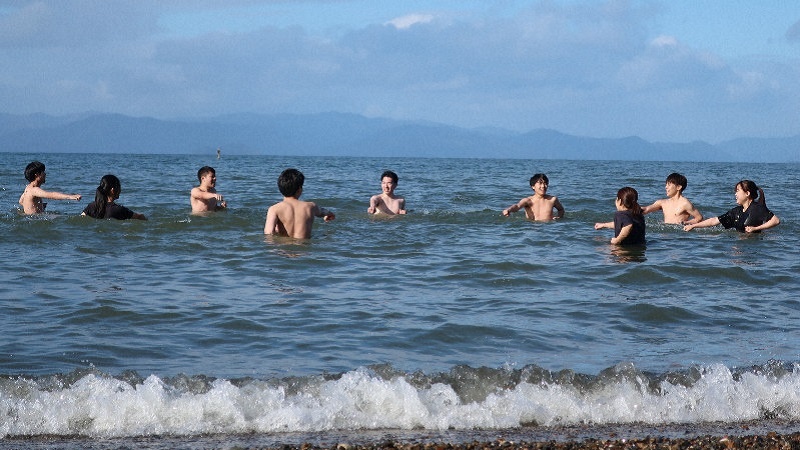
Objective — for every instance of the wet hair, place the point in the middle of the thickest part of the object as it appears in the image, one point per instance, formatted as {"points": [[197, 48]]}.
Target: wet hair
{"points": [[390, 174], [204, 170], [290, 181], [678, 180], [630, 200], [539, 176], [33, 170], [107, 183], [752, 190]]}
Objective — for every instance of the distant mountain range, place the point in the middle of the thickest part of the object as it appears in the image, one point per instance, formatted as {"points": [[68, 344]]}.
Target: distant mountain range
{"points": [[353, 135]]}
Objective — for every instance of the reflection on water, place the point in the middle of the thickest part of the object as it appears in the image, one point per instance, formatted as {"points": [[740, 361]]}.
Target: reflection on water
{"points": [[628, 253]]}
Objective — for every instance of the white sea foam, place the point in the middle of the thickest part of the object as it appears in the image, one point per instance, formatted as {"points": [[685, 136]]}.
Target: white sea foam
{"points": [[105, 406]]}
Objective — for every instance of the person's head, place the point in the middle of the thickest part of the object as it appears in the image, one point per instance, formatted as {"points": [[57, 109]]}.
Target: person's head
{"points": [[109, 187], [106, 192], [628, 199], [537, 177], [539, 183], [389, 181], [290, 182], [205, 170], [745, 190], [209, 173], [677, 180], [33, 170]]}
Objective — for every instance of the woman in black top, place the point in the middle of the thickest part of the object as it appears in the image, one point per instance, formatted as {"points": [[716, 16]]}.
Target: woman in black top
{"points": [[750, 216], [103, 206]]}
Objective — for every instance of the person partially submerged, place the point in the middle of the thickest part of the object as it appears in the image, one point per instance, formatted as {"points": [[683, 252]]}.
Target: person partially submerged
{"points": [[104, 207], [293, 217], [31, 198], [751, 214], [205, 198], [387, 202], [540, 205]]}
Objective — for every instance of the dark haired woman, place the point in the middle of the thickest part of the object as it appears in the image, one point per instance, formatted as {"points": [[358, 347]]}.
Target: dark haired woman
{"points": [[750, 216], [628, 221], [103, 206]]}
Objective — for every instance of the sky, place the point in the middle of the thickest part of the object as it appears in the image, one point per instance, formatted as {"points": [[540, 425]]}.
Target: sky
{"points": [[664, 70]]}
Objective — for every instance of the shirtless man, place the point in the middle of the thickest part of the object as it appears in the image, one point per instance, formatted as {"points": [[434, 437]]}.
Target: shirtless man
{"points": [[539, 206], [386, 202], [676, 208], [293, 217], [205, 198], [31, 198]]}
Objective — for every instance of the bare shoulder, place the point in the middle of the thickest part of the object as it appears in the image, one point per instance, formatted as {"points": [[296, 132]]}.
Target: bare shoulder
{"points": [[278, 207]]}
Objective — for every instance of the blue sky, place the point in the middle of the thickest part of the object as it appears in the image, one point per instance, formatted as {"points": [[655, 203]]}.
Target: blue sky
{"points": [[665, 70]]}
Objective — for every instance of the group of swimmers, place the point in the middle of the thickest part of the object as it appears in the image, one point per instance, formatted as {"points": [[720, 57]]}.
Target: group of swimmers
{"points": [[751, 214], [294, 218]]}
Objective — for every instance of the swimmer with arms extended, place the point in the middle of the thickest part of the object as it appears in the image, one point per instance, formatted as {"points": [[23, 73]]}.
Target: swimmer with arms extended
{"points": [[293, 217], [540, 205], [750, 216], [387, 202], [31, 198], [676, 208]]}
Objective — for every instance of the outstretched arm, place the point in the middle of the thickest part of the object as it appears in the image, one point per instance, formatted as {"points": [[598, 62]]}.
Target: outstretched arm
{"points": [[710, 222], [516, 207], [52, 195], [652, 208], [600, 225]]}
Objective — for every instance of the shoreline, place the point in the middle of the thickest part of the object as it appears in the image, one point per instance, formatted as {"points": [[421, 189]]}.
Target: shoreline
{"points": [[765, 434]]}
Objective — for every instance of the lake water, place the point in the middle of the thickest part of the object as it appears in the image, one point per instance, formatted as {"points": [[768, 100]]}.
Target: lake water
{"points": [[450, 318]]}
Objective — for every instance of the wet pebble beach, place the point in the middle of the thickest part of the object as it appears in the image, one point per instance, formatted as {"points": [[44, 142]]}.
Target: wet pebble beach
{"points": [[769, 441]]}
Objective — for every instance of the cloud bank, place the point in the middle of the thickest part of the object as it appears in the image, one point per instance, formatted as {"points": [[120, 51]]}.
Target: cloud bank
{"points": [[596, 69]]}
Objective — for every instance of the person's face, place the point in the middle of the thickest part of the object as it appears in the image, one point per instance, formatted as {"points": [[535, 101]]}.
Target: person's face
{"points": [[387, 185], [540, 186], [672, 189], [741, 195], [618, 204], [209, 179]]}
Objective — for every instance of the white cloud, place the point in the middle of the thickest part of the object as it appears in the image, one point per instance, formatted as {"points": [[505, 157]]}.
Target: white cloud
{"points": [[407, 21], [566, 66], [664, 41]]}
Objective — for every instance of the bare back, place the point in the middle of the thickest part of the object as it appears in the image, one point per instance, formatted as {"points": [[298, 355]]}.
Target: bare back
{"points": [[291, 217]]}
